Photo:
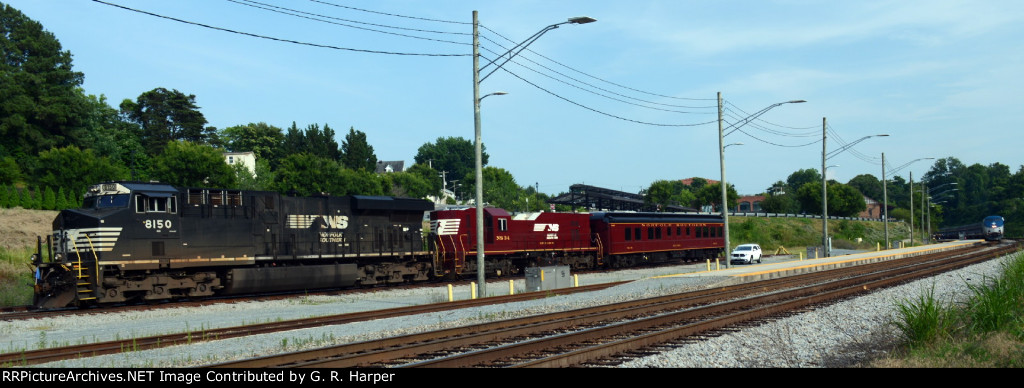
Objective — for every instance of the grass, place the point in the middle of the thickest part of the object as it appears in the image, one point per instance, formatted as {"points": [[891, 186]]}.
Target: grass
{"points": [[985, 331], [15, 277]]}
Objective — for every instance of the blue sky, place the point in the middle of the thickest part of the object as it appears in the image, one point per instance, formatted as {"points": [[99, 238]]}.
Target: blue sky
{"points": [[618, 103]]}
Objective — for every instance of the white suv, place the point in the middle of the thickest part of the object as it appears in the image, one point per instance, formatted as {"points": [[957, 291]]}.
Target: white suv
{"points": [[746, 253]]}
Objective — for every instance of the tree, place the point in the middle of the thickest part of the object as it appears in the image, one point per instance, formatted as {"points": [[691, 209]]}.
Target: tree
{"points": [[798, 179], [74, 169], [321, 142], [712, 195], [500, 187], [41, 104], [185, 163], [428, 175], [843, 200], [263, 140], [455, 155], [307, 174], [668, 192], [361, 182], [108, 135], [356, 153], [868, 185], [165, 116]]}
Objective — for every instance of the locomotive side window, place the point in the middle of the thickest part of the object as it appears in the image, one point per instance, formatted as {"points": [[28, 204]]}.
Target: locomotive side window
{"points": [[502, 224], [629, 236], [195, 197], [235, 198], [216, 197], [636, 232], [147, 204]]}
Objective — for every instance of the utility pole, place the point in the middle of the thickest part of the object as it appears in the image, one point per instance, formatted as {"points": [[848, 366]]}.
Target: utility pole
{"points": [[824, 192]]}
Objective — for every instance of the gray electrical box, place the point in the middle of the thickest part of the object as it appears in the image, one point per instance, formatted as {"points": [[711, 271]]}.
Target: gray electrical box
{"points": [[548, 278]]}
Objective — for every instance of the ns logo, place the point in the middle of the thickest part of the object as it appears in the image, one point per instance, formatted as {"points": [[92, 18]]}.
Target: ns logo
{"points": [[305, 221]]}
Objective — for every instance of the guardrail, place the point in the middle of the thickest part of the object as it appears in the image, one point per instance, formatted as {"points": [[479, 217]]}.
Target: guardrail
{"points": [[785, 215]]}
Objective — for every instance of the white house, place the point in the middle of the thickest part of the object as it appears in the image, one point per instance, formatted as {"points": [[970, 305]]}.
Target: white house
{"points": [[247, 159]]}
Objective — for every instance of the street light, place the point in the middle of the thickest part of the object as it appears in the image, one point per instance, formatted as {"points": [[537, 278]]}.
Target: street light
{"points": [[515, 50], [824, 182], [721, 161]]}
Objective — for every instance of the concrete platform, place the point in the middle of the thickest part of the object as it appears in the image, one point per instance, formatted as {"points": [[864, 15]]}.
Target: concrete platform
{"points": [[753, 272]]}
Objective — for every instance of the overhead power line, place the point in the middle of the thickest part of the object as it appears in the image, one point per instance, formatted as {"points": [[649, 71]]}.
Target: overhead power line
{"points": [[278, 39]]}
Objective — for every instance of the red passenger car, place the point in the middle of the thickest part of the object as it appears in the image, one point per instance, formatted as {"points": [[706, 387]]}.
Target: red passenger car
{"points": [[511, 243], [628, 239]]}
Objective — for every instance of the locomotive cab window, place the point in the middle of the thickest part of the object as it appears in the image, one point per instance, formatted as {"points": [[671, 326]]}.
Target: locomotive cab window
{"points": [[156, 203], [106, 201], [502, 224]]}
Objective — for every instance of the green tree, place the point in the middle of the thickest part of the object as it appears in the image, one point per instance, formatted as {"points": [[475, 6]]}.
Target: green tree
{"points": [[356, 153], [406, 184], [781, 203], [185, 163], [263, 140], [868, 185], [307, 174], [5, 196], [49, 199], [10, 172], [712, 195], [500, 188], [260, 179], [61, 200], [361, 182], [799, 178], [165, 116], [320, 142], [843, 200], [108, 135], [74, 169], [428, 175], [41, 104], [455, 155], [668, 192]]}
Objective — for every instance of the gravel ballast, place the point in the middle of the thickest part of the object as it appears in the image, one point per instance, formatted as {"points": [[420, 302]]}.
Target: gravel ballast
{"points": [[837, 335]]}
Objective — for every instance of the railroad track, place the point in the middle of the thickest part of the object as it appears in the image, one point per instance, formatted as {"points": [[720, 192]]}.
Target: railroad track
{"points": [[607, 334], [39, 356]]}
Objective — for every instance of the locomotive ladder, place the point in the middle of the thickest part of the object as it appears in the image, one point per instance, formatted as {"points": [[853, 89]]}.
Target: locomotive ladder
{"points": [[82, 283]]}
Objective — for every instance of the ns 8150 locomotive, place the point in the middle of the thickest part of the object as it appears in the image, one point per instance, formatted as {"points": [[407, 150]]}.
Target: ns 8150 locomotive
{"points": [[152, 241]]}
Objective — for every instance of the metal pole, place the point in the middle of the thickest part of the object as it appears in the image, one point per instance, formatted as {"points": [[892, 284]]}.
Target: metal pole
{"points": [[911, 208], [721, 161], [924, 238], [824, 192], [480, 275], [885, 203]]}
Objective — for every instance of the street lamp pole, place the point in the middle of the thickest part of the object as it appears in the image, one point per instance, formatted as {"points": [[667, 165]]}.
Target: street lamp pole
{"points": [[885, 203], [824, 182], [824, 191], [721, 161], [480, 263]]}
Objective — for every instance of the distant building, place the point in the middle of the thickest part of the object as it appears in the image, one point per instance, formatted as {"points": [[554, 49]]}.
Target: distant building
{"points": [[874, 209], [247, 159], [749, 203], [384, 166]]}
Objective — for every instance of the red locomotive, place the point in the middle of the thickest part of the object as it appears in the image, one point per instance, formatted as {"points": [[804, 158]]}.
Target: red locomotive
{"points": [[579, 240]]}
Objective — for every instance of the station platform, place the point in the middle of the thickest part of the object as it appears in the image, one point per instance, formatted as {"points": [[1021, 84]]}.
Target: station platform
{"points": [[781, 268]]}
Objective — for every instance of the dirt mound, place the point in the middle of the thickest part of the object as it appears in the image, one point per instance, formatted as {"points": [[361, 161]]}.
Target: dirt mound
{"points": [[20, 227]]}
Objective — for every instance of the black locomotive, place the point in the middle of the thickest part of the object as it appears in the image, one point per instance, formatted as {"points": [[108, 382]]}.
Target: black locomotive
{"points": [[151, 241]]}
